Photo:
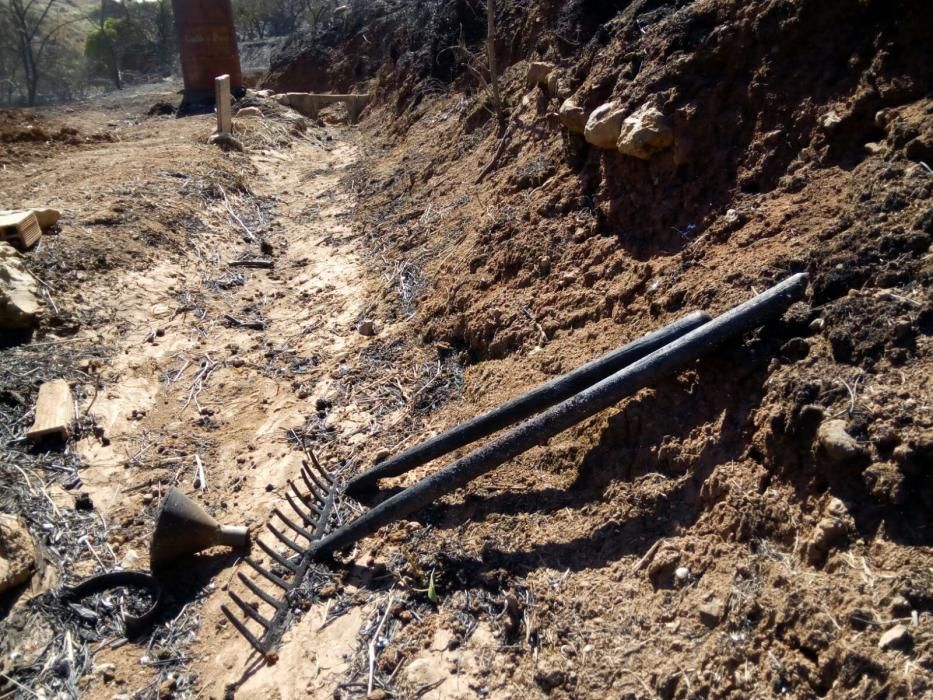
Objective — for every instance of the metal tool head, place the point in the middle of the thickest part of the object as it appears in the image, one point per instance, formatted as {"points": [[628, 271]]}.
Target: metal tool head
{"points": [[183, 528], [311, 502]]}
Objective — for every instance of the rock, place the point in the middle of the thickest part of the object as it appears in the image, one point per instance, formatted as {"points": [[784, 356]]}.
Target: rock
{"points": [[711, 613], [538, 73], [837, 444], [19, 302], [105, 671], [45, 216], [572, 116], [249, 113], [367, 327], [603, 126], [17, 552], [895, 638], [129, 559], [830, 119], [557, 86], [644, 133], [682, 573]]}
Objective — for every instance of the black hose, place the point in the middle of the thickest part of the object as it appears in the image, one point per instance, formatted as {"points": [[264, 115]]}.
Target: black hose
{"points": [[521, 407], [134, 624], [556, 419]]}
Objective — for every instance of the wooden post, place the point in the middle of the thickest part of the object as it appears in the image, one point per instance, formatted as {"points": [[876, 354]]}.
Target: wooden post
{"points": [[222, 98]]}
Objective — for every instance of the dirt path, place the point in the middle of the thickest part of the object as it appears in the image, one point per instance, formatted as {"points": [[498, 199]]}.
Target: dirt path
{"points": [[234, 393], [172, 375]]}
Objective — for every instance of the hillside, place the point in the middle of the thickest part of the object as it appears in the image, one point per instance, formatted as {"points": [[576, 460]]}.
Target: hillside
{"points": [[753, 524]]}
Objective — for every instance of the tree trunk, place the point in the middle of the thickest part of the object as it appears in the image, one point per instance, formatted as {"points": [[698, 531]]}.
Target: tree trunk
{"points": [[115, 68]]}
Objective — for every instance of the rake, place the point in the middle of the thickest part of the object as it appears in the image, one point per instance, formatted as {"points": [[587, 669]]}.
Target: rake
{"points": [[604, 384], [313, 505]]}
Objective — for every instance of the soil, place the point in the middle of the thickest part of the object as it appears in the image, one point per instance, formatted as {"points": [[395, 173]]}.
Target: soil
{"points": [[716, 535]]}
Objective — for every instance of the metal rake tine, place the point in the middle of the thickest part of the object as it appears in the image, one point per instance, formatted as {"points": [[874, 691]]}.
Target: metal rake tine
{"points": [[318, 466], [242, 629], [325, 487], [285, 539], [250, 610], [268, 574], [304, 498], [312, 488], [276, 556], [271, 600], [293, 525], [306, 519]]}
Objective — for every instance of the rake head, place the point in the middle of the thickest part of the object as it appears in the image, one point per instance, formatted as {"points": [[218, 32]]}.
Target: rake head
{"points": [[312, 502]]}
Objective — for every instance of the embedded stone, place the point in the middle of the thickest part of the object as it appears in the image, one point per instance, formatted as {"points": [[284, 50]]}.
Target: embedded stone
{"points": [[603, 126], [644, 133]]}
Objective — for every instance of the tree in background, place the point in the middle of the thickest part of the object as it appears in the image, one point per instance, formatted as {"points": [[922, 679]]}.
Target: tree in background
{"points": [[107, 45], [33, 33], [261, 19], [132, 36]]}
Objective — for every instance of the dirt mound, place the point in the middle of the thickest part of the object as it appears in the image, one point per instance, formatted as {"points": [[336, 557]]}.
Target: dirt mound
{"points": [[704, 532]]}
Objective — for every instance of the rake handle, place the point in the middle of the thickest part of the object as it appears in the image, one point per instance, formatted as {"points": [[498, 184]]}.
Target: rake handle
{"points": [[523, 406], [558, 418]]}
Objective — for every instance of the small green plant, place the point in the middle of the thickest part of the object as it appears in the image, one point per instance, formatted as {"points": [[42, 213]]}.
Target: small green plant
{"points": [[432, 589]]}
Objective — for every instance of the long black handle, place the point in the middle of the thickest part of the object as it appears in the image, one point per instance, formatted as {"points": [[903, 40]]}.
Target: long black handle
{"points": [[521, 407], [568, 413]]}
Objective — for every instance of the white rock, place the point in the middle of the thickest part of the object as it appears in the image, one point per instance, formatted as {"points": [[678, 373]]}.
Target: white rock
{"points": [[129, 559], [682, 573], [572, 116], [538, 73], [830, 119], [556, 86], [603, 126], [249, 113], [644, 133], [19, 302], [895, 638]]}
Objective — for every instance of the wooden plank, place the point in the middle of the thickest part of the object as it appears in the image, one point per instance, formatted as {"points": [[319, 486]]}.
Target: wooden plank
{"points": [[222, 98], [55, 411], [22, 227]]}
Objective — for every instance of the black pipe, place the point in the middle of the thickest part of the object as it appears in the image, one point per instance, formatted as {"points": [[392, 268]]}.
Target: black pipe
{"points": [[521, 407], [558, 418]]}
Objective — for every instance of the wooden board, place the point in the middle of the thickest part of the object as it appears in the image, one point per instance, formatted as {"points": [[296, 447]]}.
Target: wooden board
{"points": [[20, 227], [55, 411]]}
